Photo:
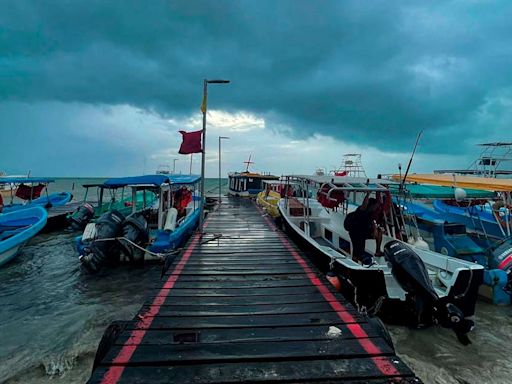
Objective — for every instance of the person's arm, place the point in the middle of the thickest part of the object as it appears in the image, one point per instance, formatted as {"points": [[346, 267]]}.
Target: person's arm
{"points": [[364, 205]]}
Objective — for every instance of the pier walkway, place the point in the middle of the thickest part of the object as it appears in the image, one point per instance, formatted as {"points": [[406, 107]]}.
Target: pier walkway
{"points": [[243, 304]]}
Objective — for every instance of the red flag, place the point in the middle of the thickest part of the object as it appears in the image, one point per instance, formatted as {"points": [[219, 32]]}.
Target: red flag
{"points": [[191, 142]]}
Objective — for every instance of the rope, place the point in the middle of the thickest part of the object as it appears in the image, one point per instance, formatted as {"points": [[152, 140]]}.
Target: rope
{"points": [[161, 256]]}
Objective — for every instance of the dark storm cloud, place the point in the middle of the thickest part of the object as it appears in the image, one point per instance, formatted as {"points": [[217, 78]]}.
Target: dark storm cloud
{"points": [[371, 72]]}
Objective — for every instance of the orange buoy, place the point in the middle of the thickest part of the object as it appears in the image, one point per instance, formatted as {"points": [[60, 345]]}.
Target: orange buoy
{"points": [[333, 279]]}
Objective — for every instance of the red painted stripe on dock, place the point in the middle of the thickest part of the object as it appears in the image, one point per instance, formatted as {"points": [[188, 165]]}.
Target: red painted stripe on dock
{"points": [[382, 363], [115, 371]]}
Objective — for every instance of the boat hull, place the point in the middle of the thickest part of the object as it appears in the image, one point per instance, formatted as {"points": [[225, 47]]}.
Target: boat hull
{"points": [[17, 228], [269, 202]]}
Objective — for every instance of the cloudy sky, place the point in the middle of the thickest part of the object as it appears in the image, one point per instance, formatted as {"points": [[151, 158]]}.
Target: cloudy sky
{"points": [[101, 88]]}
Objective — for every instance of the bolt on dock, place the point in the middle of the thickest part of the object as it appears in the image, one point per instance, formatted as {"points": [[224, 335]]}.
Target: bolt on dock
{"points": [[243, 304]]}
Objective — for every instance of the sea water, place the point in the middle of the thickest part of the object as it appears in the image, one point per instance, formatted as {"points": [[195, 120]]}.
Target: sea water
{"points": [[52, 317]]}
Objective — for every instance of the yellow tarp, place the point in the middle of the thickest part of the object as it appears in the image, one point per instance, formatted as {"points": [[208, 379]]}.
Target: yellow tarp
{"points": [[483, 183]]}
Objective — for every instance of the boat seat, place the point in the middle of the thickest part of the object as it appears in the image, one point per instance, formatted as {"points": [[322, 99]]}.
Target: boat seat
{"points": [[296, 208]]}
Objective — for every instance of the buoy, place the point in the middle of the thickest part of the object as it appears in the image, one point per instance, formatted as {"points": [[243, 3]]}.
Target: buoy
{"points": [[460, 194], [421, 244], [333, 279]]}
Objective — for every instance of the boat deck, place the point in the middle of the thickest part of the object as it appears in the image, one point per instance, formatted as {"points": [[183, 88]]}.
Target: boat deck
{"points": [[242, 304]]}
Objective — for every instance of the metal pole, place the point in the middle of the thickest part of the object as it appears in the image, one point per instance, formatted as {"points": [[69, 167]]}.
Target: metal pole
{"points": [[220, 194], [201, 214], [220, 171]]}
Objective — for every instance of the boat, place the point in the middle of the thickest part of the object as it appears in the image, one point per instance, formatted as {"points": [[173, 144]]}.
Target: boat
{"points": [[8, 189], [493, 157], [421, 289], [151, 232], [105, 198], [18, 227], [247, 183], [273, 191], [351, 165], [490, 216], [452, 239], [31, 189]]}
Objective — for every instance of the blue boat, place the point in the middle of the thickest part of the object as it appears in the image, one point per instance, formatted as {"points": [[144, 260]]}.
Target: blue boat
{"points": [[477, 218], [446, 234], [31, 190], [16, 228], [151, 231]]}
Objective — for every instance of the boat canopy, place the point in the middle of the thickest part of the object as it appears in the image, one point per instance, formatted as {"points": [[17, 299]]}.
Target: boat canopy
{"points": [[348, 183], [418, 191], [184, 179], [473, 182], [25, 180], [151, 180]]}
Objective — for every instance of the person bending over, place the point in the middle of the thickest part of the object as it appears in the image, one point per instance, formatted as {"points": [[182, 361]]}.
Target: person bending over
{"points": [[361, 225]]}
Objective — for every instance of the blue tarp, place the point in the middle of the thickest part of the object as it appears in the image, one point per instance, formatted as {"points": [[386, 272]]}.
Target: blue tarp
{"points": [[184, 179], [156, 180], [25, 180]]}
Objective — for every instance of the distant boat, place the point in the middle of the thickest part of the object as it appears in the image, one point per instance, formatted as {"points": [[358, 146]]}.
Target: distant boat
{"points": [[351, 165], [16, 228], [163, 169], [8, 189], [147, 233], [31, 190], [247, 183], [494, 161]]}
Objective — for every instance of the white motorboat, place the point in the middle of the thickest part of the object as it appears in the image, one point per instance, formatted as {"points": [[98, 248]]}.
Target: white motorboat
{"points": [[423, 288]]}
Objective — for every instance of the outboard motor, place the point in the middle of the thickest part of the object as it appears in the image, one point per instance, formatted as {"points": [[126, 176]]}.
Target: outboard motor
{"points": [[135, 231], [81, 217], [100, 253], [412, 275]]}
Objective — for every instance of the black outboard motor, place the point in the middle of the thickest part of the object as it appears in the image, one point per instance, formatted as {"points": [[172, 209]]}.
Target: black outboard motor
{"points": [[81, 217], [100, 253], [135, 231], [412, 275]]}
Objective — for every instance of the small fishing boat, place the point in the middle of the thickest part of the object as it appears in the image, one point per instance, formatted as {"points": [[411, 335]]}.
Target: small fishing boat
{"points": [[150, 232], [407, 283], [105, 198], [451, 238], [31, 189], [16, 228], [247, 183], [273, 191], [490, 217]]}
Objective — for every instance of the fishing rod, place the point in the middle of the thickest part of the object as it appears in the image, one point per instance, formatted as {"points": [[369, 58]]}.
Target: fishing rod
{"points": [[410, 160]]}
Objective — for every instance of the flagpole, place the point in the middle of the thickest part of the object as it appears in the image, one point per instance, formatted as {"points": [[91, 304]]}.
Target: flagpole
{"points": [[203, 153], [203, 109]]}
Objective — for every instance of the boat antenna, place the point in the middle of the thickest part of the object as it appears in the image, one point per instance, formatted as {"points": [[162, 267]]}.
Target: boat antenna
{"points": [[248, 162], [410, 160]]}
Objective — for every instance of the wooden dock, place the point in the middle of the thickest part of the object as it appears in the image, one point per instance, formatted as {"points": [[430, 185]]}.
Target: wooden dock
{"points": [[243, 304]]}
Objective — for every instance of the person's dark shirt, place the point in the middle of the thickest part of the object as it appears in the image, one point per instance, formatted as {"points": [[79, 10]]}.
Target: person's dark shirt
{"points": [[361, 223]]}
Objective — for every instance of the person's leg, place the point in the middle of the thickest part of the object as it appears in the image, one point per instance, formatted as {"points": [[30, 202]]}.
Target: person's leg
{"points": [[378, 241], [358, 244]]}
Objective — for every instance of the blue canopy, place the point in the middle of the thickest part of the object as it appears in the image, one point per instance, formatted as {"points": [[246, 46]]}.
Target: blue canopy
{"points": [[25, 180], [184, 179], [156, 180]]}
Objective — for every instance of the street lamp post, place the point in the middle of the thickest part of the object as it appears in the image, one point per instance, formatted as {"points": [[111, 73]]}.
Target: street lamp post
{"points": [[220, 173], [203, 109]]}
